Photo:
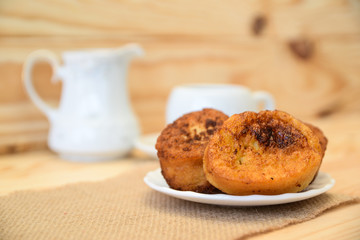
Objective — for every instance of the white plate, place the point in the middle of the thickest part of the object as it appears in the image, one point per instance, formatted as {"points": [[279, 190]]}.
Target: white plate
{"points": [[322, 183], [146, 143]]}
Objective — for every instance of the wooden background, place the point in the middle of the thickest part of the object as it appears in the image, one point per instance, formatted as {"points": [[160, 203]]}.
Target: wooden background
{"points": [[306, 53]]}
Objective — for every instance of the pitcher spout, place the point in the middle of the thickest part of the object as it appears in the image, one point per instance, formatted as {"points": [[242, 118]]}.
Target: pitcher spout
{"points": [[131, 50]]}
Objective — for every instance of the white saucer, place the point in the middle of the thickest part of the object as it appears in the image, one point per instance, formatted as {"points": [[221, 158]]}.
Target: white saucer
{"points": [[322, 183], [146, 143]]}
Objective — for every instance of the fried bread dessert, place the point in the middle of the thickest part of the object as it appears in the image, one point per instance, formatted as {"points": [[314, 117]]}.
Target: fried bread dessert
{"points": [[265, 153], [180, 149]]}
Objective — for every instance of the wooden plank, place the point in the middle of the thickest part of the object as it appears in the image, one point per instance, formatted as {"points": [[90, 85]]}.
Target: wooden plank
{"points": [[22, 143], [328, 80], [342, 223], [37, 166], [204, 18], [46, 17]]}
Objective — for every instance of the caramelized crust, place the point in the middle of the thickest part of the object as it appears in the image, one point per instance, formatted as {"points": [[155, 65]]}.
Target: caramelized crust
{"points": [[267, 153], [181, 147], [323, 140]]}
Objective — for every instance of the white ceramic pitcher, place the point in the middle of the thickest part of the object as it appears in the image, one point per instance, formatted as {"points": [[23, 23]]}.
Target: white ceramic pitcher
{"points": [[94, 120]]}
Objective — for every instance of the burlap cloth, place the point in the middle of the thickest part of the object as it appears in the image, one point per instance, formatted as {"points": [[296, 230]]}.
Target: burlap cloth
{"points": [[125, 208]]}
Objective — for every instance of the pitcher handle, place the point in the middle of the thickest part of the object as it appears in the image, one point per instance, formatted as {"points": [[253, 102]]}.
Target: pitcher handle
{"points": [[32, 59], [264, 99]]}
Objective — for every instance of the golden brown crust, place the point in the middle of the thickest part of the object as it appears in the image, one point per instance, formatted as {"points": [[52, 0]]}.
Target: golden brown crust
{"points": [[269, 153], [323, 142], [181, 147]]}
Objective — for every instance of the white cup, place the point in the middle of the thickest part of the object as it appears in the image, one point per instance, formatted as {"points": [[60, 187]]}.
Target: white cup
{"points": [[228, 98]]}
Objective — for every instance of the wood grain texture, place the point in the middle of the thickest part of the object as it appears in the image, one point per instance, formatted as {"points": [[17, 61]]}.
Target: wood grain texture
{"points": [[192, 42], [203, 18], [332, 225]]}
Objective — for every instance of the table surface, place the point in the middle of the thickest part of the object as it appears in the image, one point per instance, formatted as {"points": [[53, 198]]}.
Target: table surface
{"points": [[44, 169]]}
